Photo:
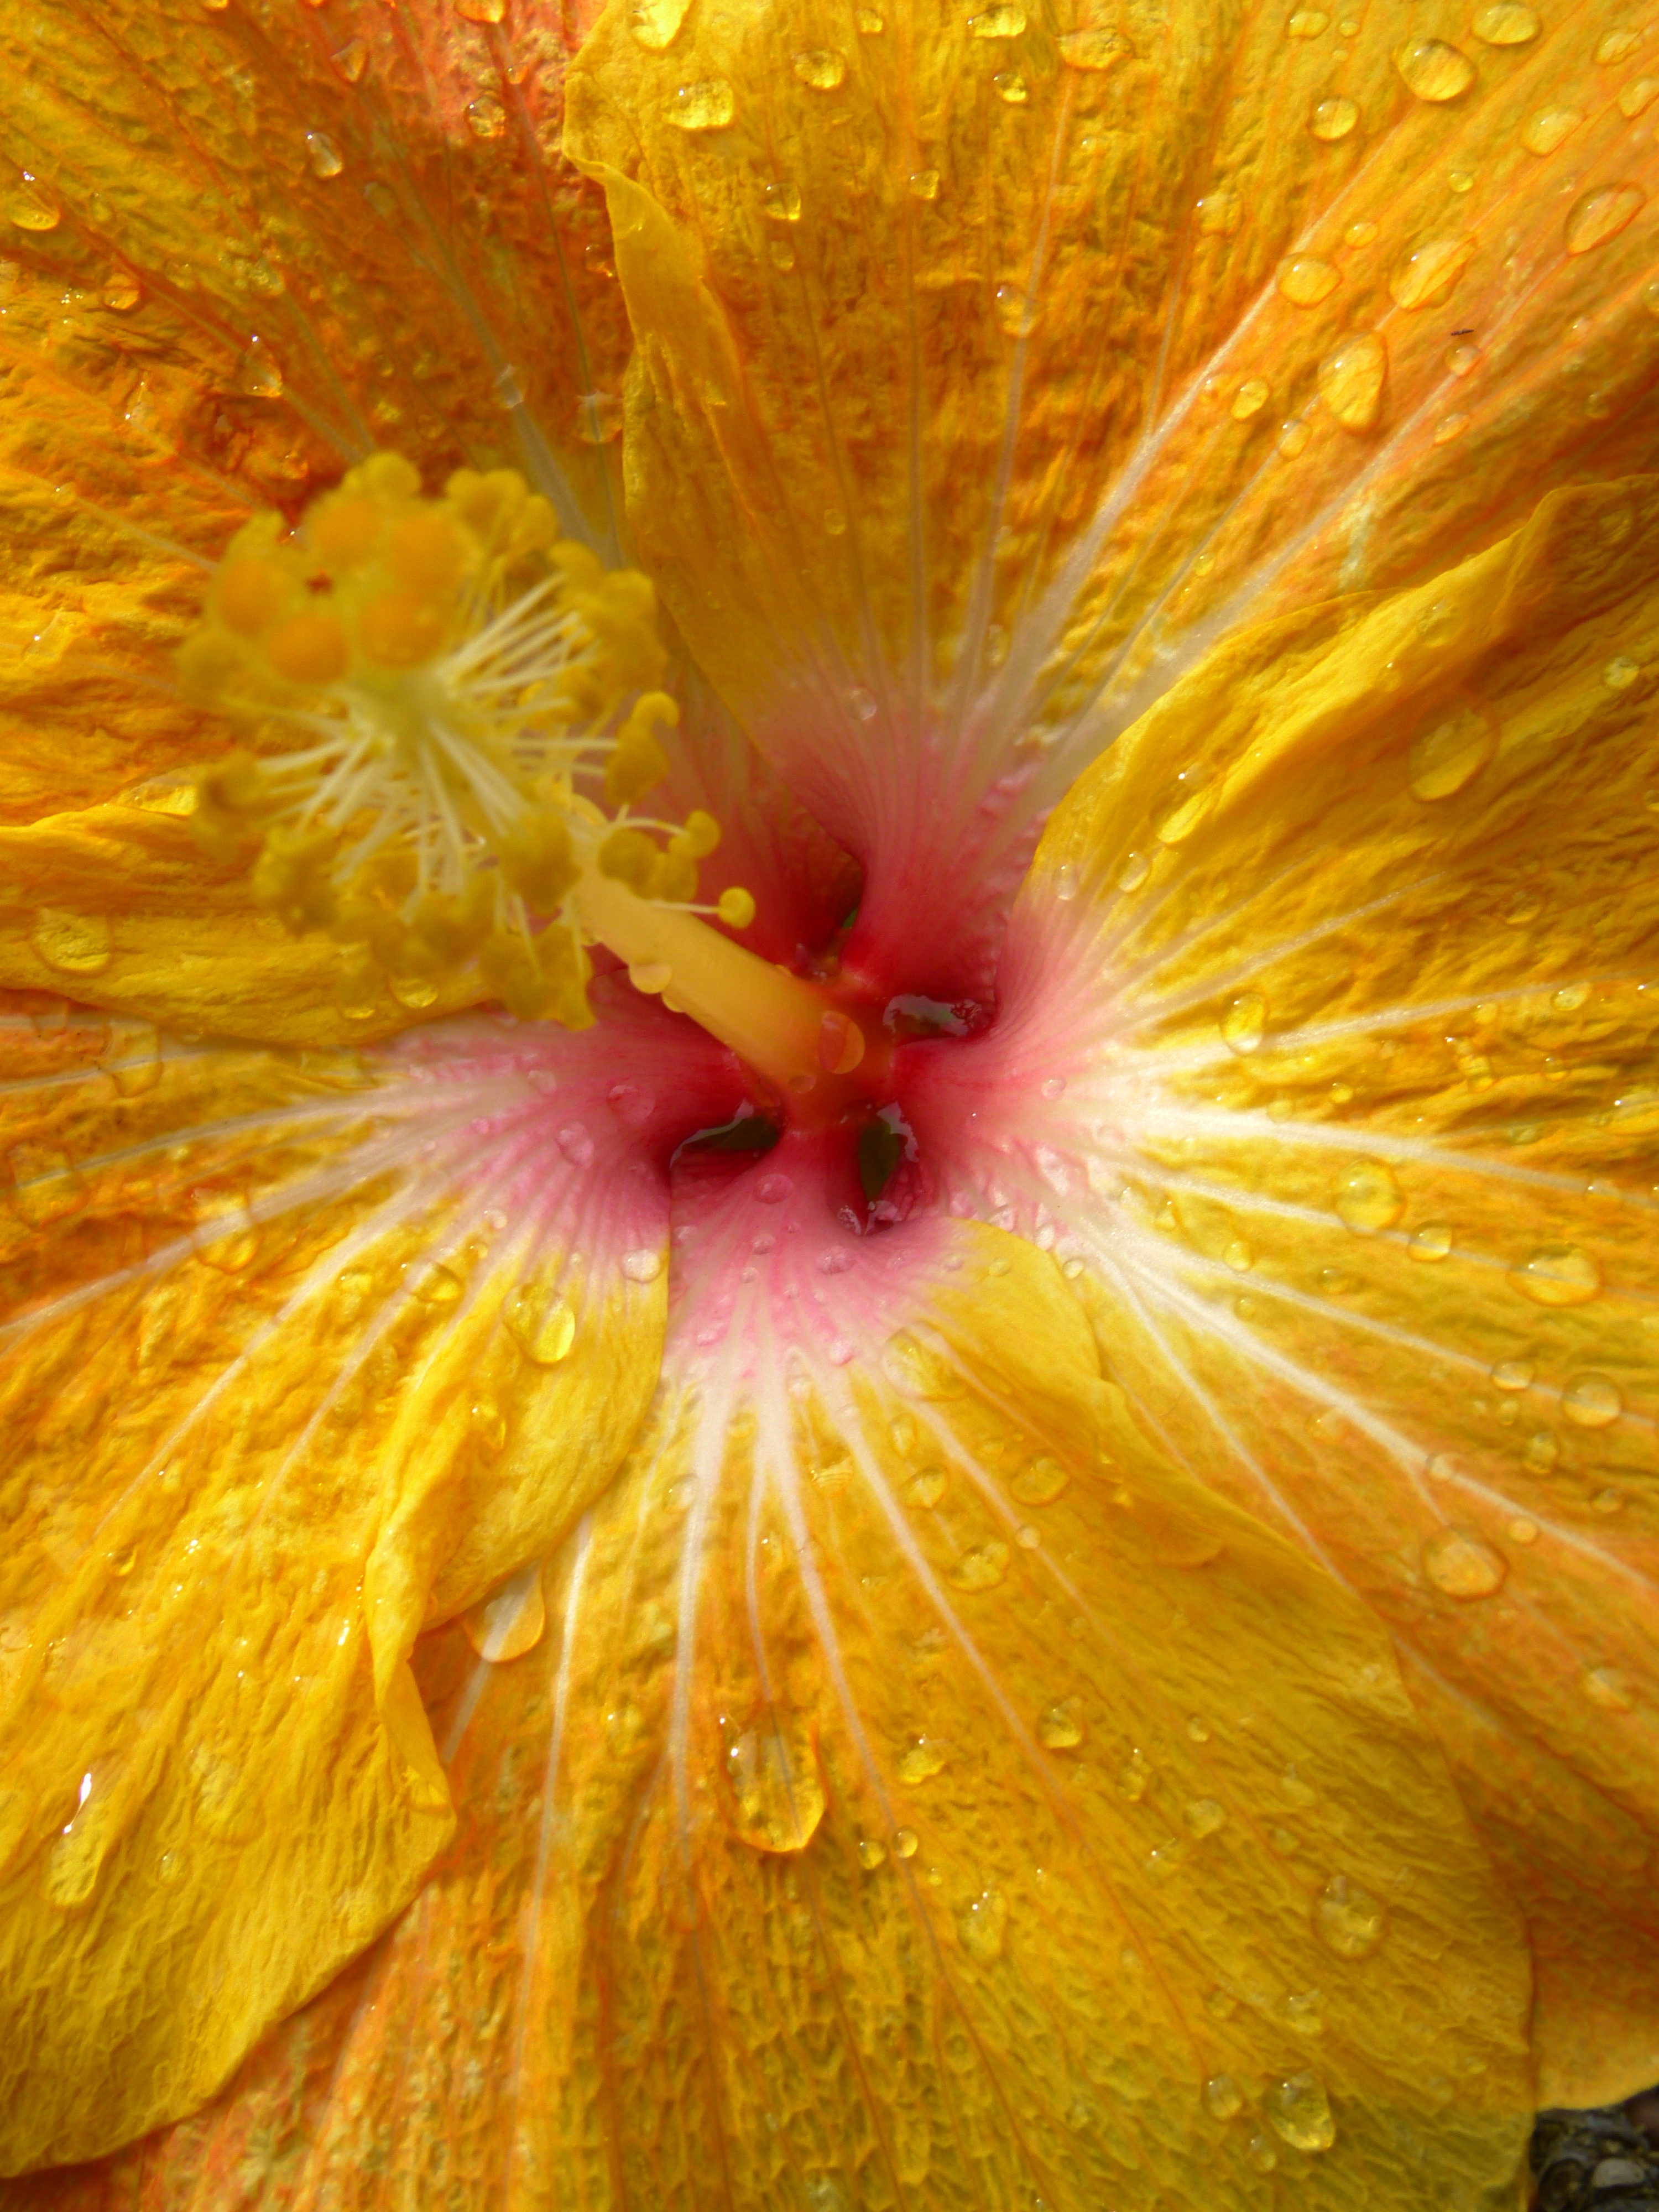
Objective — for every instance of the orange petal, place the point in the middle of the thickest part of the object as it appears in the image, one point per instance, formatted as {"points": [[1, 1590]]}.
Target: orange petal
{"points": [[922, 1791], [991, 365], [1326, 1049], [301, 1356]]}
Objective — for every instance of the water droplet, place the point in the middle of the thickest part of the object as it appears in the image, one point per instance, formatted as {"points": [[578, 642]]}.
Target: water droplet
{"points": [[434, 1284], [1615, 45], [871, 1854], [540, 1322], [982, 1566], [925, 1487], [1093, 50], [920, 1762], [1450, 750], [774, 1781], [1250, 398], [772, 1190], [919, 1372], [708, 105], [1359, 234], [1303, 2012], [1040, 1481], [1557, 1275], [1638, 96], [488, 1423], [824, 69], [486, 118], [984, 1927], [1449, 427], [1433, 70], [1067, 883], [1594, 217], [1134, 1778], [1001, 22], [1015, 310], [512, 1622], [1307, 23], [656, 23], [1010, 86], [862, 704], [1620, 673], [323, 156], [869, 23], [1350, 380], [1543, 132], [351, 60], [1334, 118], [417, 992], [46, 1186], [1184, 805], [652, 977], [1461, 360], [904, 1843], [1349, 1920], [1606, 1687], [1610, 1500], [1368, 1198], [1305, 281], [1427, 276], [1261, 2154], [1543, 1449], [1204, 1815], [257, 375], [1433, 1240], [73, 944], [1224, 2096], [1292, 438], [1462, 1564], [1505, 23], [643, 1266], [30, 209], [121, 292], [1299, 2112], [1058, 1728], [1593, 1401]]}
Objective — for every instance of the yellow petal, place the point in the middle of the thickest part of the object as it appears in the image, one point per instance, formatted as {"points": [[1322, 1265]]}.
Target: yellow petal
{"points": [[301, 1356], [1356, 1141], [979, 389], [867, 1831]]}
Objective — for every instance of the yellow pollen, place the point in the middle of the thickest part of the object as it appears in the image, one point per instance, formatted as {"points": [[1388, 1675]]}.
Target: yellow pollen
{"points": [[449, 716]]}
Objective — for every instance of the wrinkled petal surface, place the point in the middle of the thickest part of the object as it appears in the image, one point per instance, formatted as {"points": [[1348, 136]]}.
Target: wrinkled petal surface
{"points": [[1326, 1052]]}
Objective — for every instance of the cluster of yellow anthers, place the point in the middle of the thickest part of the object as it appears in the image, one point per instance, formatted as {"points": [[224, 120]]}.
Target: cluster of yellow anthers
{"points": [[473, 702]]}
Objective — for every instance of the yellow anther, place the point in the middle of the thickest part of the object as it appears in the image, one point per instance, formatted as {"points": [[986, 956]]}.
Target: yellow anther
{"points": [[628, 857], [344, 530], [699, 837], [539, 861], [309, 648], [640, 763], [674, 878], [737, 907], [252, 593], [292, 877], [543, 978], [427, 553]]}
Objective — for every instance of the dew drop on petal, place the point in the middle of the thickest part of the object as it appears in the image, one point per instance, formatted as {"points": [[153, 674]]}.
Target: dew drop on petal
{"points": [[73, 944], [1334, 118], [656, 23], [1134, 1778], [1250, 398], [1368, 1198], [777, 1789], [1615, 45], [1557, 1275], [1223, 2097], [904, 1843], [1040, 1481], [1542, 1450], [1427, 276], [871, 1854], [1058, 1728], [1597, 216], [1433, 70], [1294, 438], [1463, 1564], [540, 1322], [643, 1266], [1505, 23], [824, 69], [984, 1927], [1244, 1024], [1543, 132], [1606, 1687], [351, 60], [512, 1622], [1433, 1240], [1261, 2154], [1449, 751], [1449, 427], [1204, 1815], [1638, 96], [1299, 2110], [1011, 87], [1305, 281], [1004, 21], [1348, 1920], [708, 105], [30, 209], [924, 184], [1592, 1401], [1350, 380], [982, 1566], [323, 157]]}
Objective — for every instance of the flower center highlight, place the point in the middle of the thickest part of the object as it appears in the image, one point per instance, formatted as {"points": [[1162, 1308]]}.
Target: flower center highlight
{"points": [[449, 717]]}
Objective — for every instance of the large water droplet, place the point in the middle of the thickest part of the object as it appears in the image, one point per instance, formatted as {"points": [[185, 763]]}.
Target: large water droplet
{"points": [[46, 1186], [512, 1622], [920, 1762], [1245, 1023], [1432, 1242], [1305, 281], [73, 944], [824, 69], [258, 375], [29, 208], [775, 1783], [871, 1854], [1334, 118], [1427, 276], [1606, 1687], [1059, 1727], [1462, 1564], [1505, 23], [1368, 1198], [656, 23], [1433, 70], [1184, 805], [1349, 1920], [1450, 750], [982, 1566], [1224, 2096], [1204, 1815], [1040, 1481], [1350, 380], [1251, 397], [918, 1371], [1557, 1275], [708, 105], [540, 1322], [1299, 2110], [323, 157], [1543, 132], [1593, 1401], [1594, 217]]}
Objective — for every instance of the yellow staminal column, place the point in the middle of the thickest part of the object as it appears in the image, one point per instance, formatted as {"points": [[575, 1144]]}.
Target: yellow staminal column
{"points": [[785, 1028]]}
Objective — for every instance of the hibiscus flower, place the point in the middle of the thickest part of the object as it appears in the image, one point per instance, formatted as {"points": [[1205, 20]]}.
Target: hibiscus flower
{"points": [[829, 1272]]}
